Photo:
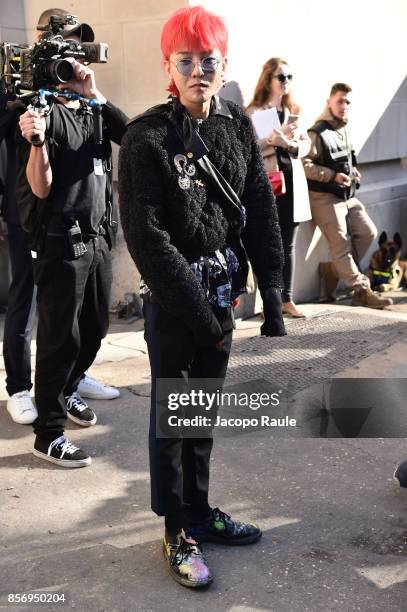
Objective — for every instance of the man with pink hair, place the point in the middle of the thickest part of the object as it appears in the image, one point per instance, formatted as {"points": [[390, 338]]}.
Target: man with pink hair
{"points": [[194, 199]]}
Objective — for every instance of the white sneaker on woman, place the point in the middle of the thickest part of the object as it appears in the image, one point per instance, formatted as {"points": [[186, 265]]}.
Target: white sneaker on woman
{"points": [[21, 408], [93, 389]]}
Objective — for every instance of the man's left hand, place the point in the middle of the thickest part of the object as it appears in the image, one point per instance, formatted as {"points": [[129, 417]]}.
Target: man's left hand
{"points": [[83, 81]]}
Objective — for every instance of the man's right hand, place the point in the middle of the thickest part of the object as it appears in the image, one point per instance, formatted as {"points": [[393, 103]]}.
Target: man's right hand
{"points": [[342, 179], [32, 124]]}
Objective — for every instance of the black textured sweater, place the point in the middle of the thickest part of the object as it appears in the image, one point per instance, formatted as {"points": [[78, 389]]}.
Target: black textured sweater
{"points": [[167, 227]]}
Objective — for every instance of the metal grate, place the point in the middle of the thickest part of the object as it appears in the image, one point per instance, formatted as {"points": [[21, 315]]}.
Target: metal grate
{"points": [[313, 350]]}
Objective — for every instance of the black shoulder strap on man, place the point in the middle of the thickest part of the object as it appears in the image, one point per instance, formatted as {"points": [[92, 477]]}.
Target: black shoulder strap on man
{"points": [[230, 201], [232, 206], [104, 152], [192, 142]]}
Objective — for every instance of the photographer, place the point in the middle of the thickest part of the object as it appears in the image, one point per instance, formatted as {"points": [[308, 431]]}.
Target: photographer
{"points": [[21, 308], [61, 166]]}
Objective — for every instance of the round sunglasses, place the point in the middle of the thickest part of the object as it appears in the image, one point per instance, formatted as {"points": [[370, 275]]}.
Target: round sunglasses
{"points": [[186, 66]]}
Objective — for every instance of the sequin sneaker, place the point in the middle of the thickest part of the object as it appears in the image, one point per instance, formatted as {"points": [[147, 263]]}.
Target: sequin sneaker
{"points": [[185, 561], [222, 529]]}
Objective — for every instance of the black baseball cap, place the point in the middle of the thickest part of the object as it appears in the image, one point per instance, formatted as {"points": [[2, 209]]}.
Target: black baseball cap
{"points": [[82, 30]]}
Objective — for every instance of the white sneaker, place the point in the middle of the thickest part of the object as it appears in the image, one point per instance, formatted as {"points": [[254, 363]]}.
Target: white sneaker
{"points": [[93, 389], [21, 408]]}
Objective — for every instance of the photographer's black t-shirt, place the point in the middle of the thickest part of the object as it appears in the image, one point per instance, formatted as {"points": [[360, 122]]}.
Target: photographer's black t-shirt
{"points": [[77, 193]]}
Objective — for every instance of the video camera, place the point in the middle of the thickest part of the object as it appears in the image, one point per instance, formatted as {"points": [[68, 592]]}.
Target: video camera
{"points": [[28, 68]]}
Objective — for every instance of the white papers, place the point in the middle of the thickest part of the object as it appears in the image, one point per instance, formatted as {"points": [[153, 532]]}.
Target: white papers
{"points": [[265, 121]]}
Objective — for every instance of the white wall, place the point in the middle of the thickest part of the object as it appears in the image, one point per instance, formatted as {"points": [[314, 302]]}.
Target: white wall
{"points": [[361, 42]]}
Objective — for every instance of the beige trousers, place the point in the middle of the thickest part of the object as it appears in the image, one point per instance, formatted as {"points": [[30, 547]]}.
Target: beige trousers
{"points": [[331, 215]]}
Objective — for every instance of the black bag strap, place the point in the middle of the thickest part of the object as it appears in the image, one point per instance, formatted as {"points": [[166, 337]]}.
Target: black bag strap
{"points": [[232, 206], [192, 141]]}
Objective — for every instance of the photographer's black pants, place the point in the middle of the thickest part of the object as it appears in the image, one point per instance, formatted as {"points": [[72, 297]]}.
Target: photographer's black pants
{"points": [[179, 467], [73, 317], [20, 316]]}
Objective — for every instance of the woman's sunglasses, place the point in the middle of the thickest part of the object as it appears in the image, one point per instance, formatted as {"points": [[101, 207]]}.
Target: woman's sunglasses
{"points": [[283, 77], [186, 66]]}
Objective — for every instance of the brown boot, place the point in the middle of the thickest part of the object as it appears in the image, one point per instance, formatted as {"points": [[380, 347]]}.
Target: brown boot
{"points": [[328, 281], [370, 299]]}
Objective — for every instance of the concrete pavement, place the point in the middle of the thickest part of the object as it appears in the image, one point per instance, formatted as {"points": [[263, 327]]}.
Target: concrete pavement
{"points": [[335, 526]]}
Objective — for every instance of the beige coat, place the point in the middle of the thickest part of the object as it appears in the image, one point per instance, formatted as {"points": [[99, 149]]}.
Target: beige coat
{"points": [[312, 166], [302, 210]]}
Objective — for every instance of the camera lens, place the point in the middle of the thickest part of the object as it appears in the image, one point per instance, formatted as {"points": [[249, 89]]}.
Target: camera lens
{"points": [[53, 73], [62, 71]]}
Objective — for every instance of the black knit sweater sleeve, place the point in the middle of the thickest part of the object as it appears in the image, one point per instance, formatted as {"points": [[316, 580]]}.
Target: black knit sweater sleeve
{"points": [[261, 236], [142, 193]]}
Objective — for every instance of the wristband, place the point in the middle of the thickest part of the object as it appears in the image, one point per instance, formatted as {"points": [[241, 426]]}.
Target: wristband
{"points": [[38, 144]]}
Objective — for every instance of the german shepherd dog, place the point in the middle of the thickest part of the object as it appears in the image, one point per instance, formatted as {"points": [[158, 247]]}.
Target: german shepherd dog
{"points": [[387, 272]]}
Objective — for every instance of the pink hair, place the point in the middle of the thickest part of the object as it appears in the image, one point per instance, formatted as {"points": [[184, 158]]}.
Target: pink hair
{"points": [[193, 29]]}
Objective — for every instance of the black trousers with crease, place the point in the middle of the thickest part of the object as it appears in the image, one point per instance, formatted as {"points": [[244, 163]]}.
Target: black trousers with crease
{"points": [[73, 316], [179, 467]]}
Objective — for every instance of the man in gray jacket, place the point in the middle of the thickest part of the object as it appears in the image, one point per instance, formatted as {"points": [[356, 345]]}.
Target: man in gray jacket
{"points": [[333, 178]]}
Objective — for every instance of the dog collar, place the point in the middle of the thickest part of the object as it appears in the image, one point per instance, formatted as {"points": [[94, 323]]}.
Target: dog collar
{"points": [[381, 273]]}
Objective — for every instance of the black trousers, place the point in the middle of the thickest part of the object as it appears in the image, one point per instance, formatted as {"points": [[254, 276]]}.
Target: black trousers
{"points": [[289, 233], [179, 467], [20, 316], [73, 317], [289, 230]]}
